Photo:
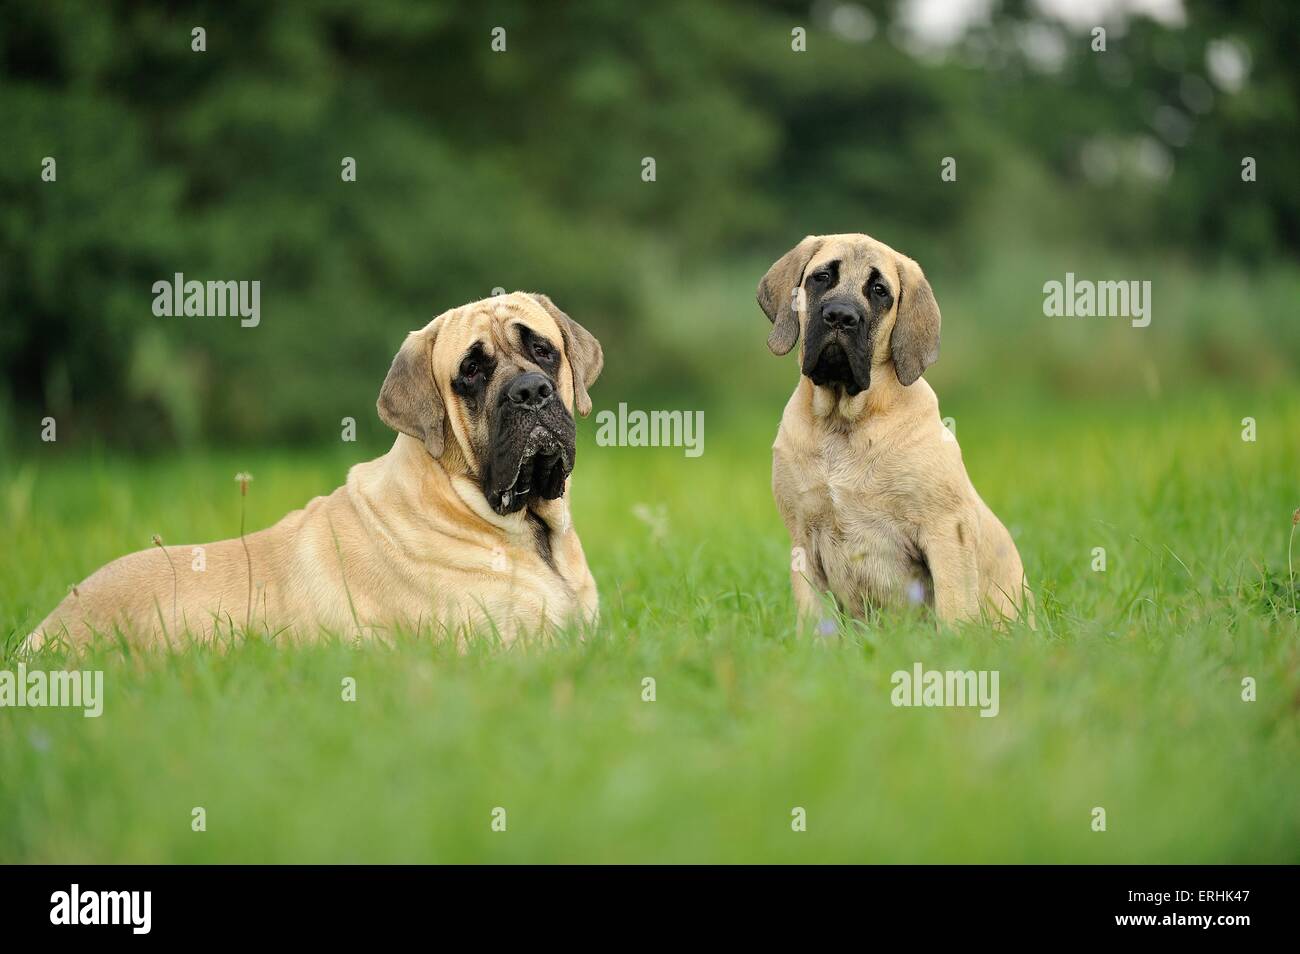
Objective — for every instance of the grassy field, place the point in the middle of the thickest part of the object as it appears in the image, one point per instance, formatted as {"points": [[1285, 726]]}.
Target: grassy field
{"points": [[1128, 696]]}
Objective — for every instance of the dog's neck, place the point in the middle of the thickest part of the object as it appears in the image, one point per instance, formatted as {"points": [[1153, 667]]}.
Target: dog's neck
{"points": [[835, 408], [448, 487]]}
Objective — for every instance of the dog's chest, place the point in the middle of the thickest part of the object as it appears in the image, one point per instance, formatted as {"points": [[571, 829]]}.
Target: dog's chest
{"points": [[855, 535]]}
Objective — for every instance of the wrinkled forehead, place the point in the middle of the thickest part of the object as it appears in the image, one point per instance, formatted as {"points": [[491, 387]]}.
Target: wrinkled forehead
{"points": [[857, 255], [494, 324]]}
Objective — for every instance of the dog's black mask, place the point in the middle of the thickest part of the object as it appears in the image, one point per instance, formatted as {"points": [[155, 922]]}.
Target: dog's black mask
{"points": [[531, 443], [839, 359], [839, 339]]}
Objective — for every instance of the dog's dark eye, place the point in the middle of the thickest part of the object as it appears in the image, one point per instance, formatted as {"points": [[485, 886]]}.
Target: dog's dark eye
{"points": [[472, 374], [542, 351], [822, 277], [880, 289]]}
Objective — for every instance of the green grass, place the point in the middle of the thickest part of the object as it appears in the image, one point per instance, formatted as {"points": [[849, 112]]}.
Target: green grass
{"points": [[1127, 697]]}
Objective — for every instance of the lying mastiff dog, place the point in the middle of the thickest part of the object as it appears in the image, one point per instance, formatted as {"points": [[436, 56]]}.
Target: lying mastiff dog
{"points": [[869, 482], [464, 522]]}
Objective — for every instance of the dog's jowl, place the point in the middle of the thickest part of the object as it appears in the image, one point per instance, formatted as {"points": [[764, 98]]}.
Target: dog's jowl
{"points": [[465, 521], [869, 482]]}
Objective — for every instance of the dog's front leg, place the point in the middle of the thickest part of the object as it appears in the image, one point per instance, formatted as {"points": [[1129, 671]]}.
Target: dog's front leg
{"points": [[814, 605], [952, 557], [809, 595]]}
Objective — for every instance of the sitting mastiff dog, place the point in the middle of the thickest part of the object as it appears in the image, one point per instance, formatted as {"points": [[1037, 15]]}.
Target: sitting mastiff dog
{"points": [[464, 522], [869, 482]]}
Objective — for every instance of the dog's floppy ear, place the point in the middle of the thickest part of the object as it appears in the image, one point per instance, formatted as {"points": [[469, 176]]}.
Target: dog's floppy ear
{"points": [[584, 351], [409, 401], [914, 343], [776, 294]]}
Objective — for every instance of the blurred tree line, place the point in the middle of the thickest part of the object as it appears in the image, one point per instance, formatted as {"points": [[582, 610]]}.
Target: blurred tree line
{"points": [[523, 168]]}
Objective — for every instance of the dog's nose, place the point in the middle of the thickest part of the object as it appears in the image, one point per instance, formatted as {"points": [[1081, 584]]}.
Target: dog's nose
{"points": [[530, 390], [840, 315]]}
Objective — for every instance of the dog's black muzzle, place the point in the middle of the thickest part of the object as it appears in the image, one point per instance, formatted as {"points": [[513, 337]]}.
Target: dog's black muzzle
{"points": [[531, 444], [837, 348]]}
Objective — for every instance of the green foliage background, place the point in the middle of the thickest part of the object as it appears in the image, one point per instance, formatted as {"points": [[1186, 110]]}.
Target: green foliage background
{"points": [[522, 170]]}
